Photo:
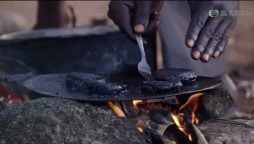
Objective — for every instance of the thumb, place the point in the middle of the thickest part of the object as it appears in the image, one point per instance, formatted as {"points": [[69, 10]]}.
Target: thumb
{"points": [[141, 16]]}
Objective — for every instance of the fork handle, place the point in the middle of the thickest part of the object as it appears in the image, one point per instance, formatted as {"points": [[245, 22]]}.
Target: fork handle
{"points": [[141, 46]]}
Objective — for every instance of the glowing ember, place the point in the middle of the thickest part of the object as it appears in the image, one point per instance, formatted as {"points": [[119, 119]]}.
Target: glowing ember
{"points": [[116, 109], [140, 126], [7, 96], [136, 102]]}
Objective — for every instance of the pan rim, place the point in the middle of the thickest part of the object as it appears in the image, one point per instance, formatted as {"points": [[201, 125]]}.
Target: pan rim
{"points": [[75, 96]]}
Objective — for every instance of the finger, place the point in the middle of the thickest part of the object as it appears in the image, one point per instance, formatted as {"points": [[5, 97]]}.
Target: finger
{"points": [[214, 41], [206, 33], [141, 15], [155, 16], [120, 13], [197, 23], [154, 23], [157, 5], [221, 46]]}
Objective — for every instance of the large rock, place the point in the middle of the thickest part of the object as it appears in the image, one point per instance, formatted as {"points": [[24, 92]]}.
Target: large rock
{"points": [[227, 132], [55, 121], [216, 103]]}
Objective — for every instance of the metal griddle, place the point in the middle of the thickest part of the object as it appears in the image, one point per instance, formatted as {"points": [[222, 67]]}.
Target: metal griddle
{"points": [[54, 85]]}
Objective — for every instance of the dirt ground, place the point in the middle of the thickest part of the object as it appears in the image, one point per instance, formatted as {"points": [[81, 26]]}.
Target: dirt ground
{"points": [[241, 46], [241, 51]]}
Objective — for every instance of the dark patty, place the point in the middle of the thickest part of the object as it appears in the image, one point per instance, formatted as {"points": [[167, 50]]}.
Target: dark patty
{"points": [[92, 84], [184, 75], [153, 86]]}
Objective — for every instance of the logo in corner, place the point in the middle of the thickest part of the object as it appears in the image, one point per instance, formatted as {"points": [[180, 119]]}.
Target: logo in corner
{"points": [[214, 13]]}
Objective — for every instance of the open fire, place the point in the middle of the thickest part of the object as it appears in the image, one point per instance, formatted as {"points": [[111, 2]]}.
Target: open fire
{"points": [[178, 119], [175, 112]]}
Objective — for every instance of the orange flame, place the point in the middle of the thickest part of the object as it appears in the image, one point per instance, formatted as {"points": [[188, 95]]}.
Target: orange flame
{"points": [[193, 103], [177, 116], [194, 118], [116, 109], [178, 120], [136, 102]]}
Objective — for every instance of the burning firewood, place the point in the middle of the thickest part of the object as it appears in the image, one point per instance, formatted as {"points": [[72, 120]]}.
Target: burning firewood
{"points": [[116, 109], [163, 118], [193, 102]]}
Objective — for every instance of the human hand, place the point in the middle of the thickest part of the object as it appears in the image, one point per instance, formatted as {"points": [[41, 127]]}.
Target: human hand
{"points": [[207, 36], [135, 16]]}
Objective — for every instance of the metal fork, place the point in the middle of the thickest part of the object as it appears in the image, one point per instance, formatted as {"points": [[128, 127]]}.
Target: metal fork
{"points": [[143, 67]]}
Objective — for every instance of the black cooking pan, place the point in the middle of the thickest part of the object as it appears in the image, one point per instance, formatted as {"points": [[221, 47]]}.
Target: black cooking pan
{"points": [[93, 49], [54, 85]]}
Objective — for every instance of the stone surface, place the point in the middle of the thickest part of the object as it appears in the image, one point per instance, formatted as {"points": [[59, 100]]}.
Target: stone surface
{"points": [[227, 132], [2, 106], [216, 103], [54, 121]]}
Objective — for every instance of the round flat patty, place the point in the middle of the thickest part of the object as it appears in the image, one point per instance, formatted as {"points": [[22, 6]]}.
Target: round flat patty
{"points": [[91, 83], [153, 86], [184, 75]]}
